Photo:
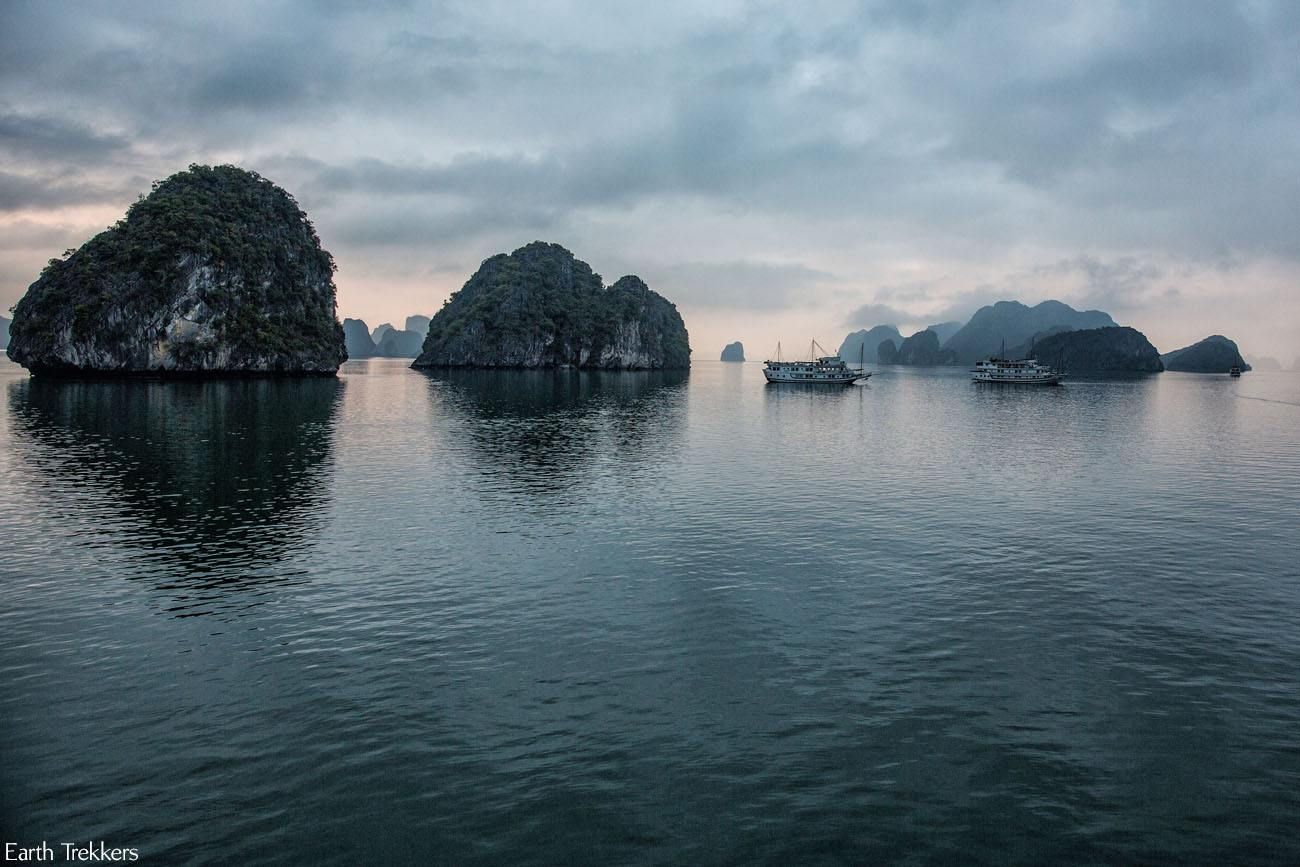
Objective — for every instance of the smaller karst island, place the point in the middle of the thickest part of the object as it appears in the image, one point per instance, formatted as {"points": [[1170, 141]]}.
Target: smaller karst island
{"points": [[542, 307]]}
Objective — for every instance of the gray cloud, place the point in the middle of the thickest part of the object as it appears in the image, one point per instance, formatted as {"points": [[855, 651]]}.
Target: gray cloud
{"points": [[23, 192], [871, 315], [1121, 285], [736, 285], [701, 141], [50, 137]]}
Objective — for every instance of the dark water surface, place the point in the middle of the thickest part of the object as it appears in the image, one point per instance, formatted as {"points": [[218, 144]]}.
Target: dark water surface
{"points": [[563, 618]]}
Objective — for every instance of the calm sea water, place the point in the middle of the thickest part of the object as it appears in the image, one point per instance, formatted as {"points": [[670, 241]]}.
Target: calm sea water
{"points": [[606, 618]]}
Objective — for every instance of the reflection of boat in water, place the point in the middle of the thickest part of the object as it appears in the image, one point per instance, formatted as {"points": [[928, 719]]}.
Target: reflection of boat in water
{"points": [[1234, 371], [821, 370], [1024, 371]]}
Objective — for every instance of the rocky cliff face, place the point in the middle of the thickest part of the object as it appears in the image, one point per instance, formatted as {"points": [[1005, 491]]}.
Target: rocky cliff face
{"points": [[1214, 354], [216, 271], [733, 352], [356, 336], [542, 307], [1100, 349]]}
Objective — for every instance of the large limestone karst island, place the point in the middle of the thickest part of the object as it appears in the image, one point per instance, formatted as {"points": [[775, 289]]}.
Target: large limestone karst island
{"points": [[542, 307], [216, 271]]}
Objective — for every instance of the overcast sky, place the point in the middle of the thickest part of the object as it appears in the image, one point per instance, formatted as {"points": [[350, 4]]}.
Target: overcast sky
{"points": [[781, 171]]}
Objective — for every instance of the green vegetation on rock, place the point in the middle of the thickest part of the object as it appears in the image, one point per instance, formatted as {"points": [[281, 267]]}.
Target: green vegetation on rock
{"points": [[542, 307], [216, 270]]}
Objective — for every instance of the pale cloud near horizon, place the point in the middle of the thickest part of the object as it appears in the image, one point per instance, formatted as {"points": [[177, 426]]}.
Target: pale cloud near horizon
{"points": [[774, 169]]}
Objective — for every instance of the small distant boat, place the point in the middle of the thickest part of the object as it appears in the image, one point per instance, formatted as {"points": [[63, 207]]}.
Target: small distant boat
{"points": [[821, 370], [1234, 371], [1025, 371]]}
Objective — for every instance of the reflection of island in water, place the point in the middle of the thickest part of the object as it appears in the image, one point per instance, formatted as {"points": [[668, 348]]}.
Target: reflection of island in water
{"points": [[543, 427], [214, 480]]}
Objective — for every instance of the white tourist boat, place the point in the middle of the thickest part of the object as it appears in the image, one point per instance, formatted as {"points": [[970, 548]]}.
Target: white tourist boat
{"points": [[1025, 371], [821, 370]]}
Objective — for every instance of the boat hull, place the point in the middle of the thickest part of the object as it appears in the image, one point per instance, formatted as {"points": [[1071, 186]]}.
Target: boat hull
{"points": [[814, 379], [1052, 379]]}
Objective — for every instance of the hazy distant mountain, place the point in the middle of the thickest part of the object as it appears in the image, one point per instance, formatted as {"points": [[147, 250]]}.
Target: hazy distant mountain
{"points": [[1264, 362], [945, 330], [733, 352], [1029, 348], [1100, 349], [356, 334], [851, 348], [1214, 354], [922, 349], [378, 334], [1012, 323], [4, 332], [418, 324], [400, 344]]}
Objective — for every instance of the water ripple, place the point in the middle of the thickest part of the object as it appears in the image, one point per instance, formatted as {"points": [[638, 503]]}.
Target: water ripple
{"points": [[579, 618]]}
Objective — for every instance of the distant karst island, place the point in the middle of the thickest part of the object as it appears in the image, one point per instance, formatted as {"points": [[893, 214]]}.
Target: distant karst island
{"points": [[921, 349], [1074, 340], [542, 307], [733, 352], [1214, 354], [216, 271], [865, 344], [386, 341]]}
